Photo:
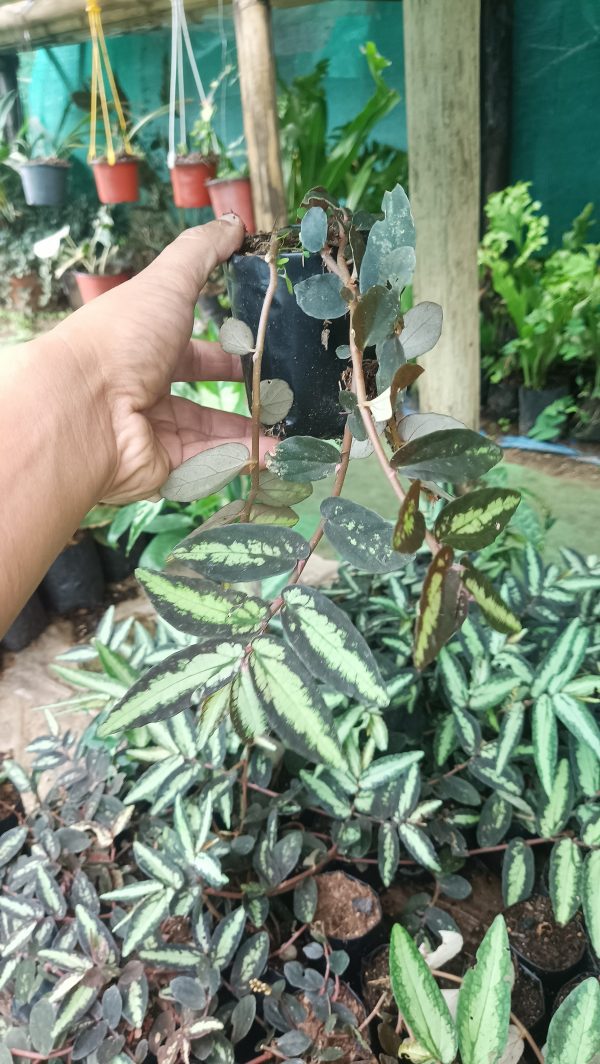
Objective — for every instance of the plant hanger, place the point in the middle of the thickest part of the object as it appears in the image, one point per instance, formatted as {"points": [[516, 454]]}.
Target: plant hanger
{"points": [[180, 35], [98, 88]]}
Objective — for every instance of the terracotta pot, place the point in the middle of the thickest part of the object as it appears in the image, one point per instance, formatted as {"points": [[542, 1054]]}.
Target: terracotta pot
{"points": [[189, 182], [233, 194], [118, 183], [91, 285], [25, 293], [44, 184]]}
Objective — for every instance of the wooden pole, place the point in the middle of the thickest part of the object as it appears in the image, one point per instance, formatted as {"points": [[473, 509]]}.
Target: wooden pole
{"points": [[441, 47], [252, 22]]}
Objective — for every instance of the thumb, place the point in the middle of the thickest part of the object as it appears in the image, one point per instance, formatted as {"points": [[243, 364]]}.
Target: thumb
{"points": [[195, 253]]}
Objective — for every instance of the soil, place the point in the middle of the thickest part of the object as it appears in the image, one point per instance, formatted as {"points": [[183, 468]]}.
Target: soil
{"points": [[370, 367], [376, 980], [50, 161], [533, 931], [11, 806], [527, 1000], [347, 908], [194, 158], [121, 157], [568, 987], [352, 1052], [259, 243]]}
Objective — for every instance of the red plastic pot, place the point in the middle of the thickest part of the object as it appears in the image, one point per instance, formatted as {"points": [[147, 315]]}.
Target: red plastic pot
{"points": [[91, 285], [233, 194], [118, 183], [189, 182]]}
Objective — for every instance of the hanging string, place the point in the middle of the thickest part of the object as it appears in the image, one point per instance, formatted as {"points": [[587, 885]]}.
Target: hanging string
{"points": [[180, 36], [98, 88]]}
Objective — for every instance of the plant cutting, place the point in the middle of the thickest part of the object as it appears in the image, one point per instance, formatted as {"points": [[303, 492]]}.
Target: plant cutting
{"points": [[101, 256]]}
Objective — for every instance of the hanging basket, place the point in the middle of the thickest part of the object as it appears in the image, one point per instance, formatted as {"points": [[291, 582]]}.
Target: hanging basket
{"points": [[189, 177], [117, 183], [44, 183]]}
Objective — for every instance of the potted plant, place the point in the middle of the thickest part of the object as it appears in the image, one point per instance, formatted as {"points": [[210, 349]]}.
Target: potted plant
{"points": [[191, 170], [116, 174], [231, 191], [102, 258], [42, 161]]}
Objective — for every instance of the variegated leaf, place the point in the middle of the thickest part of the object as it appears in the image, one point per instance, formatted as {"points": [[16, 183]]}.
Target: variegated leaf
{"points": [[590, 897], [467, 729], [556, 809], [133, 892], [410, 528], [360, 536], [518, 872], [565, 880], [386, 769], [574, 1031], [243, 552], [145, 919], [494, 609], [454, 680], [578, 719], [306, 897], [65, 961], [250, 961], [94, 937], [388, 852], [19, 938], [198, 606], [473, 521], [133, 985], [457, 455], [49, 893], [11, 842], [511, 730], [291, 703], [330, 646], [431, 631], [177, 958], [483, 1011], [227, 937], [563, 660], [168, 687], [157, 865], [75, 1006], [495, 820], [544, 734], [419, 846], [419, 999], [245, 707], [323, 791]]}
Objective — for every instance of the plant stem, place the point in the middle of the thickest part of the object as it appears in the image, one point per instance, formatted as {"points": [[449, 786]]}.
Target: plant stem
{"points": [[30, 1055], [271, 260], [520, 1027], [374, 1012], [283, 888]]}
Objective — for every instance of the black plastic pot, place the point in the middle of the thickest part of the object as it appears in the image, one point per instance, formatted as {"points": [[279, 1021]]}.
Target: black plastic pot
{"points": [[532, 1013], [532, 401], [566, 989], [30, 623], [44, 184], [116, 564], [211, 310], [11, 806], [357, 945], [553, 976], [587, 428], [502, 400], [294, 350], [75, 580]]}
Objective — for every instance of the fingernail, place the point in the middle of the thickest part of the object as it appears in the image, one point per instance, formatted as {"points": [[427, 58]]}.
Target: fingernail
{"points": [[231, 218]]}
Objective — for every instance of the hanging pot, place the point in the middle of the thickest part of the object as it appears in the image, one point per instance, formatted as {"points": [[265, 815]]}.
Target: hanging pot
{"points": [[233, 194], [298, 349], [44, 183], [189, 177], [91, 285], [117, 183], [532, 401]]}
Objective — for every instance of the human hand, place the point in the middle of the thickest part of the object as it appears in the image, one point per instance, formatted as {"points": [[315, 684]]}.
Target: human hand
{"points": [[136, 341]]}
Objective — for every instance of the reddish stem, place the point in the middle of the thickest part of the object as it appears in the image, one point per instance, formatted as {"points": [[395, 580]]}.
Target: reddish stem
{"points": [[283, 888]]}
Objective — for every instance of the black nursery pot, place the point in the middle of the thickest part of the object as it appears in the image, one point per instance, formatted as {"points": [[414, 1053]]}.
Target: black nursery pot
{"points": [[351, 915], [116, 563], [502, 400], [30, 623], [529, 1002], [556, 955], [298, 349], [44, 184], [532, 401], [75, 580]]}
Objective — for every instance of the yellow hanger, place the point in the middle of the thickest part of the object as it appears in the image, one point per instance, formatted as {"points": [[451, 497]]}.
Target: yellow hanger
{"points": [[100, 53]]}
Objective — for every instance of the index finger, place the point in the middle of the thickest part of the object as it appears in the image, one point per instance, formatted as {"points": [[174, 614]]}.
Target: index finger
{"points": [[196, 252]]}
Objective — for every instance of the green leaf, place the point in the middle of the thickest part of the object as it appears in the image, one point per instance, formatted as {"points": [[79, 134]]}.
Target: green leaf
{"points": [[134, 992], [313, 229], [114, 664], [557, 808], [11, 843], [291, 703], [388, 852], [306, 897], [319, 296], [360, 536], [475, 520], [574, 1031], [94, 938], [454, 680], [578, 719], [494, 609], [303, 459], [205, 473], [419, 846], [274, 491], [193, 605], [511, 730], [590, 897], [390, 357], [323, 791], [483, 1011], [132, 892], [244, 552], [74, 1007], [586, 768], [385, 769], [330, 646], [145, 919], [565, 880], [388, 238], [457, 455], [167, 688], [422, 329], [432, 630], [410, 529], [245, 708], [375, 316], [544, 734], [227, 937], [563, 660], [236, 337], [177, 958], [157, 865], [41, 1022], [419, 998], [250, 961], [494, 821], [276, 398], [518, 871]]}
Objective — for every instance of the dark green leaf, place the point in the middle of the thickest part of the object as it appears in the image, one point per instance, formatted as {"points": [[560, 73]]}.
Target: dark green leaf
{"points": [[319, 296], [375, 316], [313, 229], [518, 871], [494, 609], [360, 535], [193, 605], [410, 529], [457, 455], [304, 459], [477, 519], [244, 552]]}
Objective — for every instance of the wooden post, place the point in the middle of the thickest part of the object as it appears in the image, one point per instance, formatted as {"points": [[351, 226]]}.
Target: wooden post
{"points": [[252, 21], [441, 47]]}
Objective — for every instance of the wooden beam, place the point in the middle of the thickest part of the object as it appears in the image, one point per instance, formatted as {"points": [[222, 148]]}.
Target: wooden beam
{"points": [[441, 47], [256, 65]]}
